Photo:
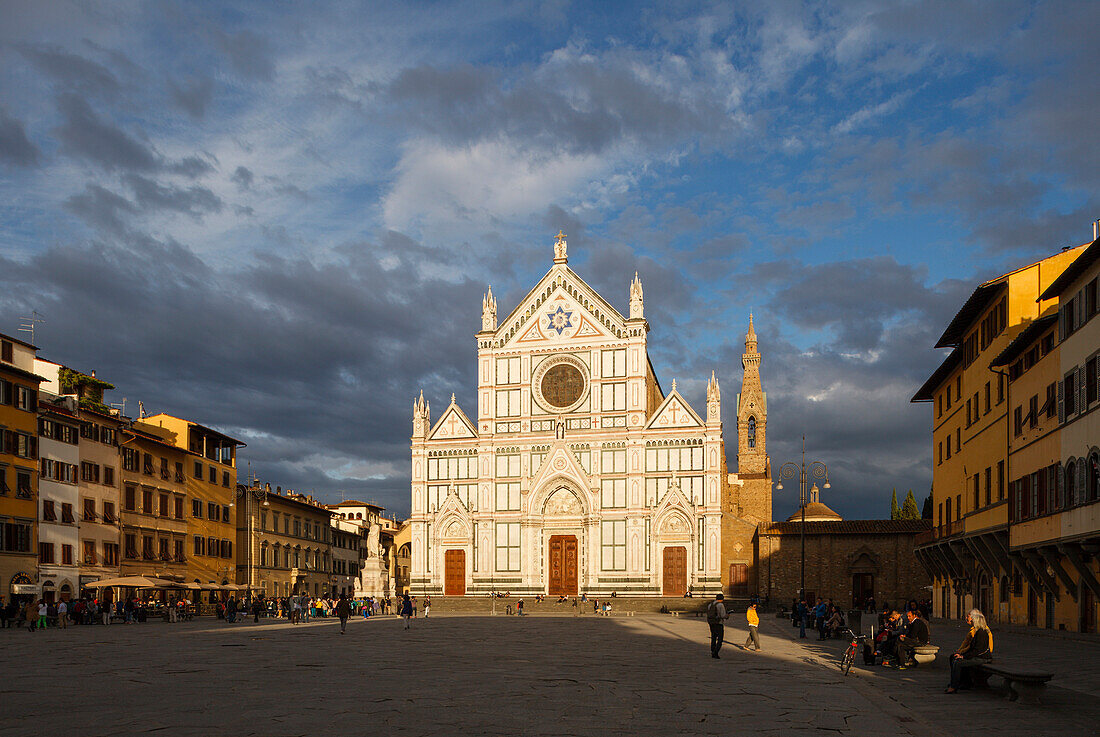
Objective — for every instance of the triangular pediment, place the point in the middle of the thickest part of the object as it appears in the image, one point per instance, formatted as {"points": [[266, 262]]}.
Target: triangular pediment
{"points": [[674, 412], [561, 308], [560, 461], [752, 402], [453, 424]]}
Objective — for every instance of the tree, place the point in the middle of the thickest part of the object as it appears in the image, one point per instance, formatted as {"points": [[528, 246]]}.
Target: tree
{"points": [[894, 511], [909, 507], [926, 513]]}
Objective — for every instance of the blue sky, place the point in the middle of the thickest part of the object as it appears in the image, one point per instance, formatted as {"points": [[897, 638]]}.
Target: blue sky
{"points": [[279, 218]]}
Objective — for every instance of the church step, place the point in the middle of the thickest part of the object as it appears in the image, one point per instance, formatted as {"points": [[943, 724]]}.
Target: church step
{"points": [[549, 605]]}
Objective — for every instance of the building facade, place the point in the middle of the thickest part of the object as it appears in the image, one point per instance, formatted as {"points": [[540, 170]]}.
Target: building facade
{"points": [[18, 470], [985, 420], [580, 474], [210, 471], [288, 542], [373, 578], [154, 503], [58, 490], [99, 527], [348, 542]]}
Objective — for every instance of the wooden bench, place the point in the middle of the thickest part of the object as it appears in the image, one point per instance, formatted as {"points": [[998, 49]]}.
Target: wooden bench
{"points": [[1025, 685]]}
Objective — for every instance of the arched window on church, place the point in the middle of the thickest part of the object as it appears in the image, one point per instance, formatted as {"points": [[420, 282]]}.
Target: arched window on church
{"points": [[752, 432]]}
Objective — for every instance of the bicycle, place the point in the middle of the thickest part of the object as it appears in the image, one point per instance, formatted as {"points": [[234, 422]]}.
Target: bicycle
{"points": [[849, 656]]}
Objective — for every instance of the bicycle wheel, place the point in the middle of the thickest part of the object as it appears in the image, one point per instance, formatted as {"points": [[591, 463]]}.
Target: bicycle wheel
{"points": [[846, 661]]}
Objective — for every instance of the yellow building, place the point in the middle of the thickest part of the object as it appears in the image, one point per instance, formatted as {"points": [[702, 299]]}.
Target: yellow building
{"points": [[967, 551], [154, 500], [211, 483], [401, 562], [1054, 510], [18, 469]]}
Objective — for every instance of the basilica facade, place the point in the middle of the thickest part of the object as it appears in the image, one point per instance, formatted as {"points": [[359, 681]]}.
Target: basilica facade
{"points": [[577, 472]]}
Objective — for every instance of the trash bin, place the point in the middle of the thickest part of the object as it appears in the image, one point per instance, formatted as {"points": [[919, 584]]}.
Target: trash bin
{"points": [[855, 620]]}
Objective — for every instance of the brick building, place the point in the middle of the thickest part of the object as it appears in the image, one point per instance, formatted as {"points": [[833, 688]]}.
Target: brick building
{"points": [[846, 560]]}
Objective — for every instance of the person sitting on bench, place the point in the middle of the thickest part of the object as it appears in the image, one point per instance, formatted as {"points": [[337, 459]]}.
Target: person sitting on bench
{"points": [[915, 636], [976, 650]]}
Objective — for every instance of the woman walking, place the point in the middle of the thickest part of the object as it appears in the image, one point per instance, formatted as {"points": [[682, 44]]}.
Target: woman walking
{"points": [[406, 609], [343, 611], [976, 649]]}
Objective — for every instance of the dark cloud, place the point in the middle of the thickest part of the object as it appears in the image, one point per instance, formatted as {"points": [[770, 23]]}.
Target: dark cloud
{"points": [[192, 95], [101, 208], [84, 135], [243, 177], [191, 167], [15, 147], [151, 196], [72, 71], [249, 53]]}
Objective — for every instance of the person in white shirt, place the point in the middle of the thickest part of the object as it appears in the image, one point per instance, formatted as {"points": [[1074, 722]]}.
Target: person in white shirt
{"points": [[62, 614]]}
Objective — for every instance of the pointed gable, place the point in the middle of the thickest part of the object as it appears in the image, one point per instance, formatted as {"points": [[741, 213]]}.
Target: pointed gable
{"points": [[453, 425], [561, 307], [561, 461], [674, 412]]}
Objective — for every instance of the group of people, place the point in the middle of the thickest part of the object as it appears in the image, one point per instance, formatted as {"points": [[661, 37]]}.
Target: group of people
{"points": [[824, 616], [900, 635], [717, 614], [41, 614]]}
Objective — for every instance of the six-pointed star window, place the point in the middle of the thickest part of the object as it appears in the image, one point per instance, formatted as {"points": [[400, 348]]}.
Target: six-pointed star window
{"points": [[560, 320]]}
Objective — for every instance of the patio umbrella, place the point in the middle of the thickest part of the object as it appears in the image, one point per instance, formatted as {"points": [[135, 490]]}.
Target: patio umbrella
{"points": [[133, 582]]}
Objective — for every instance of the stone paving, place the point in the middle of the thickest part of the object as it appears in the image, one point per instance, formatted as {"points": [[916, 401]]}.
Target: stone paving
{"points": [[457, 675]]}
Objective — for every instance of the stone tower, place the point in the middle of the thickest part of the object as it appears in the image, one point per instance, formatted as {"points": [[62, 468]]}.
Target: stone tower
{"points": [[752, 412]]}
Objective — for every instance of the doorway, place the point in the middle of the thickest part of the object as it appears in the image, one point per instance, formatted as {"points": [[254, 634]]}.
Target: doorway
{"points": [[739, 579], [562, 566], [675, 571], [863, 586], [454, 573]]}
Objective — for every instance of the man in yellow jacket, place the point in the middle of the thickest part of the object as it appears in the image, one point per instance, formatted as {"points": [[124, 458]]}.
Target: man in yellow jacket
{"points": [[754, 622]]}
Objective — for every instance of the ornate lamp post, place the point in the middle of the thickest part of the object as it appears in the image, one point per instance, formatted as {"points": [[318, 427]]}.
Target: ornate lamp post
{"points": [[251, 495], [815, 470]]}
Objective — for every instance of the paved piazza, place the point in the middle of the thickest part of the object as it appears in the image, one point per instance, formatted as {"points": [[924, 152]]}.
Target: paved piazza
{"points": [[537, 675]]}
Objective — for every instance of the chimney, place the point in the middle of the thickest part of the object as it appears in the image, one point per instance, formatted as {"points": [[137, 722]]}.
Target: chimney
{"points": [[278, 490], [1095, 235], [93, 370], [267, 488]]}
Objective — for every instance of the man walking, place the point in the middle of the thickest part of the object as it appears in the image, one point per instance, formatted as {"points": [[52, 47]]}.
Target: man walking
{"points": [[754, 622], [343, 611], [819, 613], [406, 609], [802, 612], [62, 614], [716, 615]]}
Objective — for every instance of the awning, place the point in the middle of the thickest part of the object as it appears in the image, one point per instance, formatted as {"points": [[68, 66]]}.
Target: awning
{"points": [[133, 582]]}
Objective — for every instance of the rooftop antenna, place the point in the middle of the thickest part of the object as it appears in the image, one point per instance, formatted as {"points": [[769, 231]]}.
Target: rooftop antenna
{"points": [[27, 324], [120, 406]]}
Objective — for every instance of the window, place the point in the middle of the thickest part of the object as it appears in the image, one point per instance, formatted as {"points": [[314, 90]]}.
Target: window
{"points": [[26, 399], [1000, 480], [507, 546], [263, 555], [7, 351], [147, 464], [163, 505], [958, 440], [988, 485], [212, 476], [988, 398], [225, 479], [48, 513], [108, 476], [613, 397], [1000, 388], [198, 546], [131, 546], [130, 459], [1090, 381], [508, 370], [4, 489], [751, 433], [1070, 385], [89, 510], [162, 545], [212, 511], [1033, 411], [109, 512], [225, 513], [179, 472], [948, 454], [45, 553], [23, 484], [613, 493], [613, 363], [107, 435], [66, 555], [977, 490], [89, 557], [297, 527], [508, 466], [613, 545], [130, 499], [508, 403], [177, 551], [197, 472], [110, 554], [939, 454], [196, 508], [1050, 405], [177, 507], [67, 513], [147, 501], [89, 472], [16, 537]]}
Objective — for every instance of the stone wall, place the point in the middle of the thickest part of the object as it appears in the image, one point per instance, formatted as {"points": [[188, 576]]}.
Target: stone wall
{"points": [[835, 551]]}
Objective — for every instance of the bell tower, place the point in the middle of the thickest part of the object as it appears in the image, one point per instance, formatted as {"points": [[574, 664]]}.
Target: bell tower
{"points": [[752, 413]]}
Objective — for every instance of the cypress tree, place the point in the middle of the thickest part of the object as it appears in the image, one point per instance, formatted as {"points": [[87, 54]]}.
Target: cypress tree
{"points": [[909, 507], [894, 511], [926, 513]]}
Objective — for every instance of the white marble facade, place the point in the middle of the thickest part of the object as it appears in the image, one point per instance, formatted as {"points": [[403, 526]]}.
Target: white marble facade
{"points": [[580, 473]]}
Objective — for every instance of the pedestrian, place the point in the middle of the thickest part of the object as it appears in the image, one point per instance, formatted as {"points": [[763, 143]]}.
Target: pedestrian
{"points": [[754, 623], [30, 614], [63, 614], [819, 615], [427, 606], [574, 606], [43, 614], [343, 611], [716, 615], [519, 608], [802, 613], [295, 609], [406, 609]]}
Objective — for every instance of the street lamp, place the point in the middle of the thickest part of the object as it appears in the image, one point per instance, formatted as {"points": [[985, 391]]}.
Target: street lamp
{"points": [[816, 470], [251, 494]]}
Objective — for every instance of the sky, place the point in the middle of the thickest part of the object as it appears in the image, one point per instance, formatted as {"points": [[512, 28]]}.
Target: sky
{"points": [[278, 219]]}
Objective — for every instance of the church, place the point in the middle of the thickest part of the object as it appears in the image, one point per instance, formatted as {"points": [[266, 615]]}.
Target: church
{"points": [[579, 473]]}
